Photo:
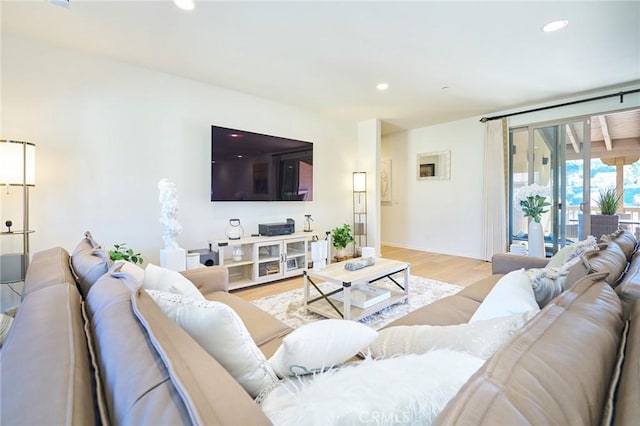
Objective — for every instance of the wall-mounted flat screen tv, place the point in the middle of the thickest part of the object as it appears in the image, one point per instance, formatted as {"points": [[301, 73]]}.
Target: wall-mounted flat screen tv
{"points": [[248, 166]]}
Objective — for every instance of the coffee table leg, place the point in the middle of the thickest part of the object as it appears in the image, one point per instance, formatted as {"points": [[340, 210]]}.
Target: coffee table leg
{"points": [[347, 300], [407, 279], [306, 290]]}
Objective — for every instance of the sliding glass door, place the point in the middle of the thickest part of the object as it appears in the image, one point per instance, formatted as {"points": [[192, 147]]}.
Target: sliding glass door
{"points": [[557, 157]]}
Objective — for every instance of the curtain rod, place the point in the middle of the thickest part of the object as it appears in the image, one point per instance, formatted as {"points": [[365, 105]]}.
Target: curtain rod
{"points": [[597, 98]]}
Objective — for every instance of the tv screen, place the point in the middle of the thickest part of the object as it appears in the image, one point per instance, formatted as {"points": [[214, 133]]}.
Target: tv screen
{"points": [[248, 166]]}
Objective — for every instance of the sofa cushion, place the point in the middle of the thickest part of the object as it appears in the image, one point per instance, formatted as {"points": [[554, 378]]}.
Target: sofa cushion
{"points": [[577, 272], [209, 279], [627, 409], [446, 311], [153, 371], [135, 378], [512, 294], [211, 394], [220, 331], [624, 239], [480, 338], [629, 288], [89, 262], [262, 326], [479, 290], [320, 345], [531, 381], [45, 371], [609, 259], [47, 267]]}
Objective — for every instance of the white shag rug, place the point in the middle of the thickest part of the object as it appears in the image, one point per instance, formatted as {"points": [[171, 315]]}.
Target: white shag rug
{"points": [[289, 307], [404, 390]]}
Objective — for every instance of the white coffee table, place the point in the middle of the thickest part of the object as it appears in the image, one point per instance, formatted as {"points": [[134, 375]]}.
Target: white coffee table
{"points": [[335, 273]]}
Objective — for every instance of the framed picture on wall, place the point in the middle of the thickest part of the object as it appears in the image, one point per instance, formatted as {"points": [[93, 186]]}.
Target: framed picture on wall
{"points": [[433, 165], [385, 181], [427, 170]]}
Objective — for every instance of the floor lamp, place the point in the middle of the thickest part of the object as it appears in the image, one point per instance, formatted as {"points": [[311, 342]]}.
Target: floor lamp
{"points": [[17, 168], [359, 211]]}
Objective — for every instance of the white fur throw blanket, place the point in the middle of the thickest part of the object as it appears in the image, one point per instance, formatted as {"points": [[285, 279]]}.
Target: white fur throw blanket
{"points": [[407, 389]]}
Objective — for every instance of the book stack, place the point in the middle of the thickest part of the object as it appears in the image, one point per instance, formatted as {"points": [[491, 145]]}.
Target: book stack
{"points": [[518, 248]]}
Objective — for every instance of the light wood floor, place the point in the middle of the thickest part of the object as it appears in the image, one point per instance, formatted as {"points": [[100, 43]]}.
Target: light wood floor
{"points": [[442, 267]]}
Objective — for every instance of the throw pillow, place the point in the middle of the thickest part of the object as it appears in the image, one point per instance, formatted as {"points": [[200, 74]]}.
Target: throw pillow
{"points": [[571, 253], [5, 326], [220, 331], [480, 338], [162, 279], [408, 390], [512, 294], [89, 262], [134, 270], [320, 345], [548, 282]]}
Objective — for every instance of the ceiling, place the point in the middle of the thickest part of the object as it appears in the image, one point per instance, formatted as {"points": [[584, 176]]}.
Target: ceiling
{"points": [[443, 61]]}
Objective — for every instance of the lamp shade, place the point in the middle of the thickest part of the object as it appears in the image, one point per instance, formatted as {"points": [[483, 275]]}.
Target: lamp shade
{"points": [[359, 181], [16, 158]]}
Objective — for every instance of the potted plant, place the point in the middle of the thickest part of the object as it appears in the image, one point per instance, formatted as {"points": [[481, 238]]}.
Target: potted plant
{"points": [[532, 200], [607, 221], [340, 237], [121, 252]]}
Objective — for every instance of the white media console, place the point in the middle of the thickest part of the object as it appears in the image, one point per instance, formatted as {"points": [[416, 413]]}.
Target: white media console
{"points": [[257, 260]]}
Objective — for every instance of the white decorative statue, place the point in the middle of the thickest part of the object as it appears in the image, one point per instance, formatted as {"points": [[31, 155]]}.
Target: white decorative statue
{"points": [[172, 256], [169, 213]]}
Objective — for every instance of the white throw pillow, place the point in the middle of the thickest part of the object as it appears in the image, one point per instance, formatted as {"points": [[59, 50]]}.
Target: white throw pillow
{"points": [[407, 390], [320, 345], [571, 253], [480, 338], [162, 279], [132, 269], [5, 326], [511, 295], [221, 332]]}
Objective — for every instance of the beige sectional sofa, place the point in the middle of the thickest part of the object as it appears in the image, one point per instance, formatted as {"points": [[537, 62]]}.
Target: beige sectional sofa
{"points": [[88, 346]]}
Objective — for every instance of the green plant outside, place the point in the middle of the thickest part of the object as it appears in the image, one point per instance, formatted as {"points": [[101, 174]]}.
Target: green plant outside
{"points": [[121, 252], [608, 201], [341, 236]]}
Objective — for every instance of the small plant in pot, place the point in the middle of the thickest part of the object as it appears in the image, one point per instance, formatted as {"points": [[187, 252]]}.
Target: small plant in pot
{"points": [[608, 201], [121, 252], [340, 237]]}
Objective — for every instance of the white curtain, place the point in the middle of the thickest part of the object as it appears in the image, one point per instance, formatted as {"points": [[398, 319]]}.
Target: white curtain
{"points": [[494, 200]]}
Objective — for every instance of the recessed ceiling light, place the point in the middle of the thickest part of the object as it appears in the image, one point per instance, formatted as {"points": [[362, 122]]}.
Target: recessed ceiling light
{"points": [[555, 25], [382, 86], [185, 4]]}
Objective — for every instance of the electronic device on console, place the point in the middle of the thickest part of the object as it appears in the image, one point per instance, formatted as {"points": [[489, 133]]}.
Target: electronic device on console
{"points": [[281, 228]]}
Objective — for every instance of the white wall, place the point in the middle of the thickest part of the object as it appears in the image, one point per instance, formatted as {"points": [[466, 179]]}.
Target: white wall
{"points": [[369, 143], [441, 216], [107, 132], [444, 216]]}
